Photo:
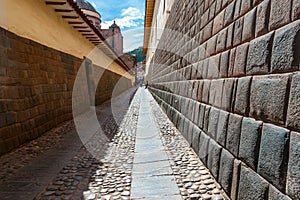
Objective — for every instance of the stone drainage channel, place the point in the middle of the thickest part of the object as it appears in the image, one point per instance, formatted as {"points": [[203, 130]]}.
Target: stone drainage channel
{"points": [[149, 159]]}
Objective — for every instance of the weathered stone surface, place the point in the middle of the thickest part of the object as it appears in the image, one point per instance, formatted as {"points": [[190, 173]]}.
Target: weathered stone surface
{"points": [[228, 94], [293, 174], [262, 18], [276, 194], [222, 127], [195, 140], [226, 170], [206, 118], [233, 133], [235, 179], [206, 89], [249, 25], [259, 55], [213, 66], [213, 122], [240, 60], [213, 161], [250, 141], [203, 147], [218, 22], [273, 154], [296, 10], [215, 93], [229, 40], [245, 6], [280, 13], [241, 105], [293, 114], [224, 64], [231, 62], [221, 40], [251, 186], [229, 13], [267, 97], [237, 34], [285, 51]]}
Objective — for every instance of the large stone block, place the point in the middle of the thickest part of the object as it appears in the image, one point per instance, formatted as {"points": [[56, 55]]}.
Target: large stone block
{"points": [[293, 114], [226, 170], [222, 127], [259, 55], [237, 33], [285, 52], [206, 89], [224, 64], [228, 94], [213, 67], [280, 13], [229, 40], [293, 174], [213, 160], [213, 122], [229, 13], [241, 105], [233, 133], [203, 147], [195, 140], [250, 141], [272, 162], [262, 18], [249, 25], [215, 93], [218, 22], [240, 60], [206, 118], [252, 186], [268, 98], [221, 40], [245, 6], [296, 10], [235, 179], [275, 194]]}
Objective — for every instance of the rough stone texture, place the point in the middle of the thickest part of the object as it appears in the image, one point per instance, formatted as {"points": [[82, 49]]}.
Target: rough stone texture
{"points": [[280, 13], [233, 133], [273, 155], [293, 175], [259, 55], [226, 170], [252, 186], [276, 194], [258, 82], [203, 147], [249, 26], [296, 10], [213, 122], [268, 97], [37, 89], [235, 179], [250, 142], [222, 127], [293, 115], [213, 161], [237, 33], [241, 105], [285, 52], [240, 60], [262, 18]]}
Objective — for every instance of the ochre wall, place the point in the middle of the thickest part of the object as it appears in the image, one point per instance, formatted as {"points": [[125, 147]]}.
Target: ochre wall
{"points": [[34, 20]]}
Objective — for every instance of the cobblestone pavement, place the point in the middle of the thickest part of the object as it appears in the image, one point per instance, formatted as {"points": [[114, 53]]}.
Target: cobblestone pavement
{"points": [[127, 173], [143, 157], [57, 165]]}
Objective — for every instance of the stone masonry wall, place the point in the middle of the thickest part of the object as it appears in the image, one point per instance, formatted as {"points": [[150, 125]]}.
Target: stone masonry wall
{"points": [[36, 85], [228, 76]]}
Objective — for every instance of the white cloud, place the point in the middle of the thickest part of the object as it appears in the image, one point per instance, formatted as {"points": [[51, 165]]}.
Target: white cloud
{"points": [[130, 17], [133, 39]]}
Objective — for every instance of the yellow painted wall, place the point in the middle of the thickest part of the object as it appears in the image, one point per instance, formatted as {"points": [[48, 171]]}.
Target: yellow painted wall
{"points": [[34, 20]]}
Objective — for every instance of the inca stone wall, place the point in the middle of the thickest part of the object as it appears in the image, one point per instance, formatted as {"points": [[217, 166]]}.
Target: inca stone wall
{"points": [[228, 77], [36, 84]]}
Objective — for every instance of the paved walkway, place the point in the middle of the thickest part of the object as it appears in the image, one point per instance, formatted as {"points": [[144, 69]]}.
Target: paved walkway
{"points": [[152, 176]]}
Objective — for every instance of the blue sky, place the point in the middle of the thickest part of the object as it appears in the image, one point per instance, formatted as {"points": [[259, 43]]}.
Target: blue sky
{"points": [[129, 15]]}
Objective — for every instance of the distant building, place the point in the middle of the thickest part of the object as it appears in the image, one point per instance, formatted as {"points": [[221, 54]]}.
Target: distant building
{"points": [[113, 35]]}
